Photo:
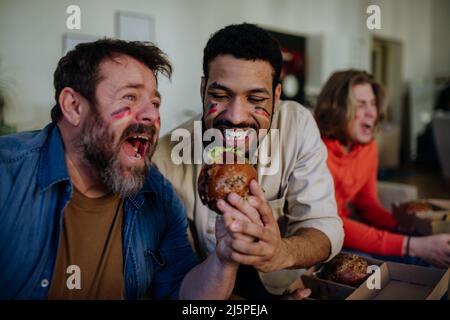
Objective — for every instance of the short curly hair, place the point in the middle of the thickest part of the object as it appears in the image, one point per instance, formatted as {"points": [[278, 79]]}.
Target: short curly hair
{"points": [[244, 41], [79, 68], [335, 106]]}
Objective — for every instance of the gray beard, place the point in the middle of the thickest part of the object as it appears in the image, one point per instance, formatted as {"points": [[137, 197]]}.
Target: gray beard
{"points": [[97, 146]]}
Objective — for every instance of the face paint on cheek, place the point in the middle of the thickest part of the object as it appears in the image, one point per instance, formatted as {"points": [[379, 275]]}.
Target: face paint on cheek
{"points": [[121, 116], [212, 108], [121, 113], [158, 123], [262, 112]]}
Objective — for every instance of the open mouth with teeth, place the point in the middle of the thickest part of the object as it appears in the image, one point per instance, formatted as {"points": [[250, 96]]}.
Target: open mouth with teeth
{"points": [[367, 128], [235, 134], [135, 146], [244, 139], [233, 137]]}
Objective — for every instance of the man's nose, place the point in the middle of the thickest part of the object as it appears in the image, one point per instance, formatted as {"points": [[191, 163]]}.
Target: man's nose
{"points": [[237, 111], [147, 113], [371, 111]]}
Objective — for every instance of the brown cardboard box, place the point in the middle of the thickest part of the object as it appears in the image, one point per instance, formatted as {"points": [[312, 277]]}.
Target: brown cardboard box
{"points": [[406, 282], [323, 289], [426, 223], [397, 282], [326, 290]]}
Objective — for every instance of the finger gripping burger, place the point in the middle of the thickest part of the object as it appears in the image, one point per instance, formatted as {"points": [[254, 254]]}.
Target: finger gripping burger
{"points": [[218, 179]]}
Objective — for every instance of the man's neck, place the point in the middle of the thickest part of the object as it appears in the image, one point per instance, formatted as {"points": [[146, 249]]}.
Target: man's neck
{"points": [[347, 147], [84, 177]]}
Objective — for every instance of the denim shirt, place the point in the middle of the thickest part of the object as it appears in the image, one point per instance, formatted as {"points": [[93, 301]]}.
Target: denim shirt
{"points": [[35, 187]]}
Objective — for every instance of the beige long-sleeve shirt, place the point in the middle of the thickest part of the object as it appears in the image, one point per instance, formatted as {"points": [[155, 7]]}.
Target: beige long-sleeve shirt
{"points": [[296, 182]]}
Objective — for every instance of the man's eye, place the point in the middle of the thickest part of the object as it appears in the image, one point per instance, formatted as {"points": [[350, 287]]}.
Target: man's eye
{"points": [[130, 97], [218, 96], [156, 104], [256, 99]]}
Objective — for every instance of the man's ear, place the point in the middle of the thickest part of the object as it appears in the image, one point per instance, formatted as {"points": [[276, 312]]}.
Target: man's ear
{"points": [[277, 94], [71, 105], [202, 89]]}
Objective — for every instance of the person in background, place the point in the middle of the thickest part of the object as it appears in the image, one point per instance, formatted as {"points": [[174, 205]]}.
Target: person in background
{"points": [[348, 110]]}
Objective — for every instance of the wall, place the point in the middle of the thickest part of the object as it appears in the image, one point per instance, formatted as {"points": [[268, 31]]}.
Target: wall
{"points": [[31, 41], [440, 38]]}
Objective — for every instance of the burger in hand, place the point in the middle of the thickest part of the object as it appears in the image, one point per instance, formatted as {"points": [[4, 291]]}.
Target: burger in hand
{"points": [[220, 178]]}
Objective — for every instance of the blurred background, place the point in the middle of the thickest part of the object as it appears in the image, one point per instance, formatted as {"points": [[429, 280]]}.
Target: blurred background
{"points": [[410, 55]]}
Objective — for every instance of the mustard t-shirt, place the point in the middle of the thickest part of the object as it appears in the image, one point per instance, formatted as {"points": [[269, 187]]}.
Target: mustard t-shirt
{"points": [[89, 263]]}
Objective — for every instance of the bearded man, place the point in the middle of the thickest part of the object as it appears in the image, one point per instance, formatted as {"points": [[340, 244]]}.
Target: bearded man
{"points": [[84, 213]]}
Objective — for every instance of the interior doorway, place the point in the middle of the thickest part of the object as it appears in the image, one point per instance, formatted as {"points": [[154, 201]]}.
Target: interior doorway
{"points": [[387, 69]]}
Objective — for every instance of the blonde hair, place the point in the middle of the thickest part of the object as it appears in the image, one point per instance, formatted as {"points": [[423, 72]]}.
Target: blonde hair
{"points": [[336, 105]]}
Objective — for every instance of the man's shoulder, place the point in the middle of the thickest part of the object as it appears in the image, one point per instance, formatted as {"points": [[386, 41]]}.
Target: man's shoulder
{"points": [[180, 140], [293, 110], [156, 182], [159, 184], [163, 191], [186, 128], [293, 117], [16, 146]]}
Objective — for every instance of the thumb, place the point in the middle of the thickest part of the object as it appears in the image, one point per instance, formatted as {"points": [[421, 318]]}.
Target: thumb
{"points": [[259, 201], [299, 294]]}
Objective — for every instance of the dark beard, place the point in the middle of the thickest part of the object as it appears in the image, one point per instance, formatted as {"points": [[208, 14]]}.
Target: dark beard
{"points": [[97, 146]]}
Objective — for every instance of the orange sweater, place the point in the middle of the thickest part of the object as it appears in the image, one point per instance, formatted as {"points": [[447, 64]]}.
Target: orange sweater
{"points": [[355, 177]]}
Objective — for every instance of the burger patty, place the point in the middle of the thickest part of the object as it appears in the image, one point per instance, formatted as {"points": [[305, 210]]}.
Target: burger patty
{"points": [[347, 269], [216, 181]]}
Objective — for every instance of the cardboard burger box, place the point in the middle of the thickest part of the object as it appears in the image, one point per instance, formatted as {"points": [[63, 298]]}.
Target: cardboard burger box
{"points": [[396, 281], [431, 222], [322, 289], [405, 282]]}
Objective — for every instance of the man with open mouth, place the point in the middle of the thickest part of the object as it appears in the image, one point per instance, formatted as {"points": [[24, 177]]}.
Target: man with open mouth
{"points": [[349, 108], [289, 221], [84, 213]]}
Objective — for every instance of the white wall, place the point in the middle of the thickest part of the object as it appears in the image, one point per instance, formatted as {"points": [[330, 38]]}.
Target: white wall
{"points": [[441, 38], [31, 41]]}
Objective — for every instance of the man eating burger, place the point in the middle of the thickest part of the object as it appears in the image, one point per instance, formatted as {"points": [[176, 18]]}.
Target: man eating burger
{"points": [[288, 221]]}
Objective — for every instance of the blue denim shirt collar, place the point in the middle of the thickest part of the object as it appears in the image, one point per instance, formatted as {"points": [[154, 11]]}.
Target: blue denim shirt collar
{"points": [[52, 164], [148, 187]]}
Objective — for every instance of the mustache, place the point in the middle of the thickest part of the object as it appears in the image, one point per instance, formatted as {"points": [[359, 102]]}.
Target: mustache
{"points": [[228, 124], [138, 128]]}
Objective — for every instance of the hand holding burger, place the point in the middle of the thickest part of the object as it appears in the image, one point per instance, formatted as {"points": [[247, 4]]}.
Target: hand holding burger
{"points": [[233, 189]]}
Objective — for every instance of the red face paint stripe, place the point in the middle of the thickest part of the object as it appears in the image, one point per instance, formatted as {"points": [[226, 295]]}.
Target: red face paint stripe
{"points": [[211, 111], [262, 113], [121, 114]]}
